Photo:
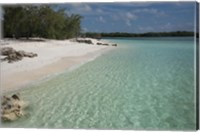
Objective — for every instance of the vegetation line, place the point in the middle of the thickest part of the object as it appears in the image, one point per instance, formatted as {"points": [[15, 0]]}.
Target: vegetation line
{"points": [[40, 21], [149, 34]]}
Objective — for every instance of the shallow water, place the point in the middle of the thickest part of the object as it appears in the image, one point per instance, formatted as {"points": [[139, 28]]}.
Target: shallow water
{"points": [[142, 84]]}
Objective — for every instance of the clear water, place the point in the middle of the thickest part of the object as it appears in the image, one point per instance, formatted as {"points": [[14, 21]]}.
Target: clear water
{"points": [[142, 84]]}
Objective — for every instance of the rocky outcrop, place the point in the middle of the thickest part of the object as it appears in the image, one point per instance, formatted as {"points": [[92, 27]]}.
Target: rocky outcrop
{"points": [[12, 108], [7, 50], [106, 44], [114, 44], [13, 55], [99, 43], [88, 41], [102, 44], [84, 41]]}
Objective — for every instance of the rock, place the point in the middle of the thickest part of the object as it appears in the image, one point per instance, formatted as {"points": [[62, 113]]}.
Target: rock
{"points": [[13, 55], [9, 117], [7, 51], [13, 115], [88, 41], [5, 99], [14, 96], [12, 108], [102, 44], [85, 41], [20, 53], [105, 44], [114, 44], [99, 43], [30, 54]]}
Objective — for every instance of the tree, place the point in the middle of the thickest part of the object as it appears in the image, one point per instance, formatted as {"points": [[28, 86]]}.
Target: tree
{"points": [[13, 19], [40, 21], [73, 25]]}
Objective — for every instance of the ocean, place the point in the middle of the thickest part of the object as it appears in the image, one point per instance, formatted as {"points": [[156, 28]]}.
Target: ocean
{"points": [[142, 84]]}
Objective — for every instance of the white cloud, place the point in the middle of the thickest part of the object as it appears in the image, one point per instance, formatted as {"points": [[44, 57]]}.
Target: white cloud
{"points": [[146, 29], [150, 11], [167, 26], [85, 29], [99, 11], [81, 7], [128, 23], [170, 27], [180, 3], [115, 17], [101, 19], [126, 17], [136, 4], [146, 10], [76, 4], [130, 16], [86, 8]]}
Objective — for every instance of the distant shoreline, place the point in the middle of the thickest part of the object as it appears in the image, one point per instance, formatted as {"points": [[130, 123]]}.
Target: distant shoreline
{"points": [[137, 35]]}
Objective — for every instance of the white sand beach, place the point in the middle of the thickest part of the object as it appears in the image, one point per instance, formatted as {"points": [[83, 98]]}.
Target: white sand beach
{"points": [[53, 56]]}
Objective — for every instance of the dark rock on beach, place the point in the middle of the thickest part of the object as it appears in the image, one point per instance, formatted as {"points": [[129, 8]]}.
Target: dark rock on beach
{"points": [[114, 44], [7, 51], [105, 44], [84, 41], [13, 55], [102, 44], [99, 43]]}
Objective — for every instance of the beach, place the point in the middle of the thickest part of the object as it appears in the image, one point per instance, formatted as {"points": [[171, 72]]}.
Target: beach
{"points": [[53, 56], [105, 66], [143, 83]]}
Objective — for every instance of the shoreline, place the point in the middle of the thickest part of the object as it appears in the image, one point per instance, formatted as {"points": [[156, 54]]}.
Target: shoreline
{"points": [[27, 74]]}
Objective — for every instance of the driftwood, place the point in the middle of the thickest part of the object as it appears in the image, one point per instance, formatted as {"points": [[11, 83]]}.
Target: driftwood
{"points": [[13, 55]]}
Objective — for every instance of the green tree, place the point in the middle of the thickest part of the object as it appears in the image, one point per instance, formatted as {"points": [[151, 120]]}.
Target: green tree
{"points": [[40, 21], [73, 27]]}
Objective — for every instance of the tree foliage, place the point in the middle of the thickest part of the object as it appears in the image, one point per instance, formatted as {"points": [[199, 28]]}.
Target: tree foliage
{"points": [[40, 21]]}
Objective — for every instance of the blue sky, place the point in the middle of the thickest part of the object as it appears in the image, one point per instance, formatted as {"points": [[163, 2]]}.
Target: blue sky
{"points": [[134, 17]]}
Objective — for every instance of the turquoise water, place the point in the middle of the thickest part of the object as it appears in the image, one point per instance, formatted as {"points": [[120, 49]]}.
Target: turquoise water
{"points": [[142, 84]]}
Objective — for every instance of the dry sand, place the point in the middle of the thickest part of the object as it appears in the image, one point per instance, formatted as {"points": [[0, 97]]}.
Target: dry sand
{"points": [[53, 56]]}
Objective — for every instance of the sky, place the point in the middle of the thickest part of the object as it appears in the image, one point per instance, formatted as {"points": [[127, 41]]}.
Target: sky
{"points": [[134, 17]]}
